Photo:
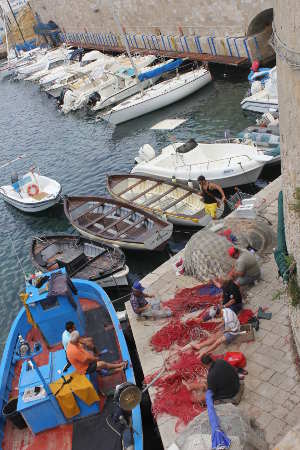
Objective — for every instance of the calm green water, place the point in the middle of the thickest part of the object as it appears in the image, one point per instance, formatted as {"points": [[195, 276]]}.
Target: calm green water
{"points": [[78, 152]]}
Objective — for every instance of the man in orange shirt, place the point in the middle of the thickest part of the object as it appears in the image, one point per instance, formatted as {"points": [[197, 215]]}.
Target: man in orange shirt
{"points": [[84, 361]]}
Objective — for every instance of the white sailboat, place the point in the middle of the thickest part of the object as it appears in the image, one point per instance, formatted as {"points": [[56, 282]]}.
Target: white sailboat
{"points": [[158, 96], [228, 164]]}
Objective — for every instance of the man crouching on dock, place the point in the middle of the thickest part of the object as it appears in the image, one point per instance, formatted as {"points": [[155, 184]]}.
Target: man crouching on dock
{"points": [[142, 307]]}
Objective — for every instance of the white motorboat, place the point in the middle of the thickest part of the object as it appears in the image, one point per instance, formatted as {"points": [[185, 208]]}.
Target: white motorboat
{"points": [[228, 164], [158, 96], [77, 69], [42, 63], [264, 96], [124, 87], [115, 75], [31, 193]]}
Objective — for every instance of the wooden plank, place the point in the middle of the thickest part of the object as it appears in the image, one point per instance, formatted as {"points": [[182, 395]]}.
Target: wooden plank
{"points": [[129, 227], [204, 57], [130, 187], [156, 199], [103, 215], [89, 210], [145, 192], [116, 222], [176, 201]]}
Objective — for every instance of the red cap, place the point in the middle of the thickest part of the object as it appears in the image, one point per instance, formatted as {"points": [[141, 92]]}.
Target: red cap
{"points": [[255, 65], [231, 251]]}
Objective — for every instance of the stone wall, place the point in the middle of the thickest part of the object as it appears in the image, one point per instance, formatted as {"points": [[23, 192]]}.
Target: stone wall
{"points": [[209, 17], [178, 21]]}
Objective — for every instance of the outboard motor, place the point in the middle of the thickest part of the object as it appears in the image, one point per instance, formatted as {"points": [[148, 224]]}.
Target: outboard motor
{"points": [[14, 178], [146, 153], [94, 98], [61, 97]]}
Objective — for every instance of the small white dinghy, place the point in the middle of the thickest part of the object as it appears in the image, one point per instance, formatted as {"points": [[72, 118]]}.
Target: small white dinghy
{"points": [[264, 96], [31, 193], [158, 96], [228, 164]]}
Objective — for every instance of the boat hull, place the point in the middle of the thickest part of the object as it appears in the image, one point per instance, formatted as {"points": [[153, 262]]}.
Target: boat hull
{"points": [[117, 279], [258, 106], [157, 102], [241, 178], [156, 242], [31, 208]]}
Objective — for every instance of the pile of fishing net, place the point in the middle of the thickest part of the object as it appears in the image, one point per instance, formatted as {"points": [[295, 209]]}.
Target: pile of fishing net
{"points": [[172, 397], [206, 256], [182, 332]]}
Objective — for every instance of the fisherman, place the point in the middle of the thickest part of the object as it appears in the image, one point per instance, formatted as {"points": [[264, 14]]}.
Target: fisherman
{"points": [[142, 307], [210, 193], [246, 269], [69, 327], [232, 297], [222, 380], [85, 362], [86, 342], [230, 328]]}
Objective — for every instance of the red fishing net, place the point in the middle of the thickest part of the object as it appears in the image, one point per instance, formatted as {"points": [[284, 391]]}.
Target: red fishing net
{"points": [[192, 299], [181, 333], [172, 396], [186, 301]]}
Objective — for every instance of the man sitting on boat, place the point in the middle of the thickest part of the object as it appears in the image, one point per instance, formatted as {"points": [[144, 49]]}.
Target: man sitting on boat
{"points": [[246, 269], [87, 342], [222, 380], [210, 193], [144, 308], [86, 362], [229, 330]]}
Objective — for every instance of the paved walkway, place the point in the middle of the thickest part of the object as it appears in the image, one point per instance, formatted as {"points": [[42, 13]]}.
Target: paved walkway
{"points": [[272, 387]]}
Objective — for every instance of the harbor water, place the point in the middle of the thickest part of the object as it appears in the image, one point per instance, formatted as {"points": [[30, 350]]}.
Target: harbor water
{"points": [[78, 152]]}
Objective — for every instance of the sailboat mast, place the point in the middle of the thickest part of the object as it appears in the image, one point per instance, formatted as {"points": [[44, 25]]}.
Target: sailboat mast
{"points": [[116, 18]]}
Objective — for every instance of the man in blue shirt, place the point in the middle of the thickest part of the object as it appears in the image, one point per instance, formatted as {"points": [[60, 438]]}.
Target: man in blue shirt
{"points": [[70, 326], [144, 308]]}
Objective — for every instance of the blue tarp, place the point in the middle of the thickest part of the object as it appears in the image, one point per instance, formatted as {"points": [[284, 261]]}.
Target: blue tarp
{"points": [[219, 440], [160, 70]]}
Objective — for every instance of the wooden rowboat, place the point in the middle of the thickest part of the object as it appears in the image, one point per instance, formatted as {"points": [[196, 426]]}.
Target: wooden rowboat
{"points": [[81, 258], [180, 204], [111, 221]]}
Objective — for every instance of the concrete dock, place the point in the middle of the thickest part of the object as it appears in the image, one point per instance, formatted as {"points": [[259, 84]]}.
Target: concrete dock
{"points": [[272, 387]]}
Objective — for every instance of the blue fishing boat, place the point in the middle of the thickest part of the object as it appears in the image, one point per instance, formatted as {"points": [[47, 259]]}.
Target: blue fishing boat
{"points": [[46, 405]]}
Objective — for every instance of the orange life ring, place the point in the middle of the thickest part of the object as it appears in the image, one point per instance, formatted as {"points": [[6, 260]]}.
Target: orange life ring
{"points": [[32, 190]]}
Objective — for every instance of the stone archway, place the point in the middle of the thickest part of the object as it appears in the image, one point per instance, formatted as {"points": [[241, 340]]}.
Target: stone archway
{"points": [[260, 22], [260, 29]]}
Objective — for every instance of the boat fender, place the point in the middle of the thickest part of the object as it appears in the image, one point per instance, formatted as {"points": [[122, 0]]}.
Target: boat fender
{"points": [[32, 190]]}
